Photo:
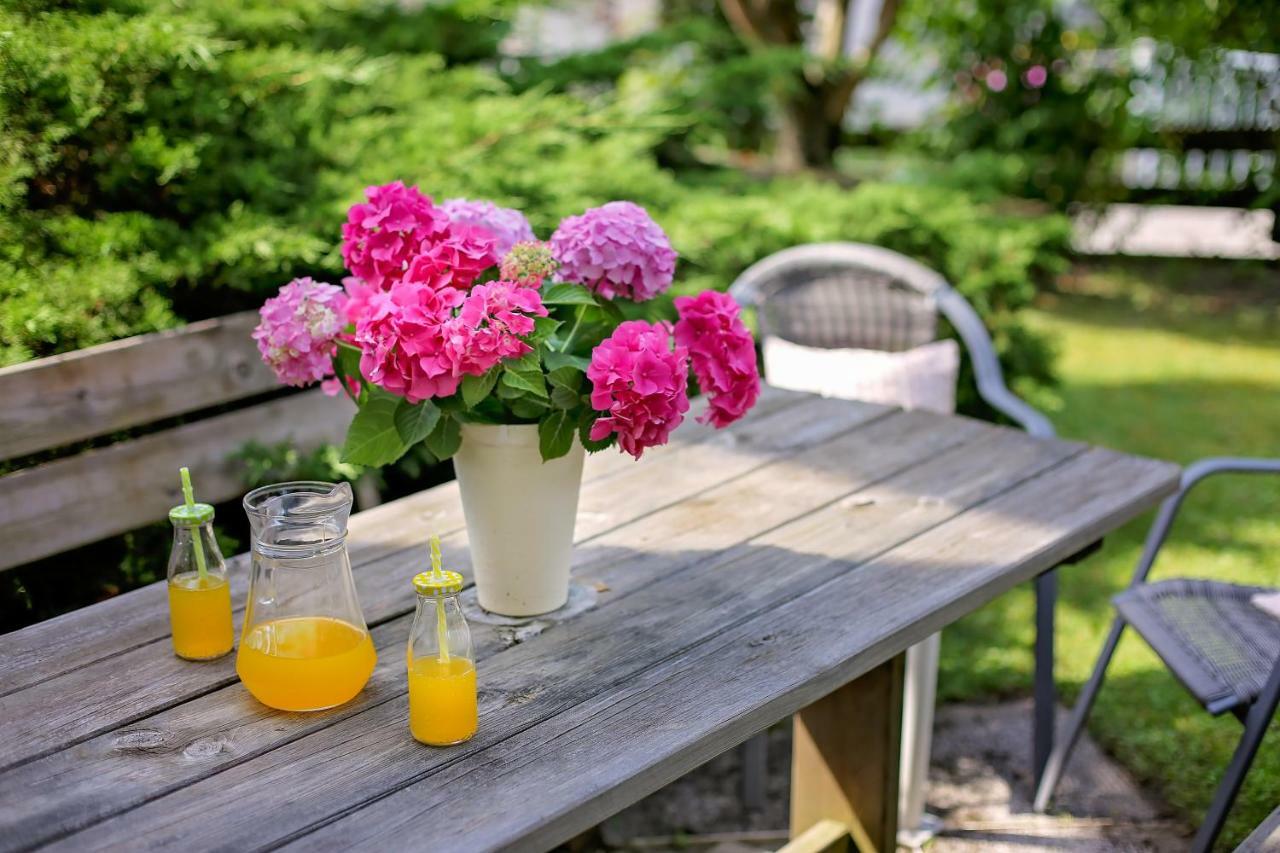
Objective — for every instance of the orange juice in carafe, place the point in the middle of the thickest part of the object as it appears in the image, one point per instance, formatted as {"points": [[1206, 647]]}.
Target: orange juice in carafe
{"points": [[305, 663], [305, 646]]}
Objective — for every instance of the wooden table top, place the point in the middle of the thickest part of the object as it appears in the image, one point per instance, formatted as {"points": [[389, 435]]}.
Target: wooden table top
{"points": [[739, 576]]}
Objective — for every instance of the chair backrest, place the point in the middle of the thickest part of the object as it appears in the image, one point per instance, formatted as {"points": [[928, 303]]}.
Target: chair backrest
{"points": [[856, 295], [53, 506], [833, 295]]}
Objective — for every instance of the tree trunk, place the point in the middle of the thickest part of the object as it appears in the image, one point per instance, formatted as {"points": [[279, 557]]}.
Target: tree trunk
{"points": [[810, 118], [805, 138]]}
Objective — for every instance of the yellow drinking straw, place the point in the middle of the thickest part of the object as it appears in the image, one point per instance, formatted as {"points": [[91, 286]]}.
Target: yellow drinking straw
{"points": [[442, 630], [189, 496]]}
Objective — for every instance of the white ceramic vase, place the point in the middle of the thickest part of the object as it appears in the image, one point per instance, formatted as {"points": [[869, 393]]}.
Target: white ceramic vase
{"points": [[520, 514]]}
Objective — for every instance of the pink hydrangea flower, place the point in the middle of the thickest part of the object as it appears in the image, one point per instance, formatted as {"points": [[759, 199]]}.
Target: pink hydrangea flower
{"points": [[297, 330], [402, 340], [358, 294], [528, 263], [615, 250], [506, 225], [490, 325], [722, 352], [456, 260], [639, 382], [381, 237]]}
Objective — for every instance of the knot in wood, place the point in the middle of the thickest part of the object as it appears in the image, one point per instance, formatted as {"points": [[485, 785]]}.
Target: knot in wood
{"points": [[140, 740]]}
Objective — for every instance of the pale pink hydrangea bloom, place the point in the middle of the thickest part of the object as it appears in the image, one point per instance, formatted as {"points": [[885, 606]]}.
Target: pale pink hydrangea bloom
{"points": [[639, 382], [297, 330], [381, 237], [508, 226], [615, 250], [490, 325], [722, 352], [528, 263], [402, 341]]}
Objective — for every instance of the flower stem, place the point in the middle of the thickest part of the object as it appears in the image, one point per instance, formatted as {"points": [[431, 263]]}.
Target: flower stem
{"points": [[577, 321]]}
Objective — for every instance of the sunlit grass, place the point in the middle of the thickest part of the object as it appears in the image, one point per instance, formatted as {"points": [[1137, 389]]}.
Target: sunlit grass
{"points": [[1178, 361]]}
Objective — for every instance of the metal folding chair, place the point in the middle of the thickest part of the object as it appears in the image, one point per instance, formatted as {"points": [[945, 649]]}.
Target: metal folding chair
{"points": [[1223, 648], [834, 295]]}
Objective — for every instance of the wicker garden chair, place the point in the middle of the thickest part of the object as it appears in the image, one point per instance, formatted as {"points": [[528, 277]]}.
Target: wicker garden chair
{"points": [[834, 295], [1224, 649]]}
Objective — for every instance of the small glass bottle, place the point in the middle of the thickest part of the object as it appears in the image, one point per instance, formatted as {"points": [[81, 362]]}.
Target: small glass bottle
{"points": [[199, 591], [442, 672]]}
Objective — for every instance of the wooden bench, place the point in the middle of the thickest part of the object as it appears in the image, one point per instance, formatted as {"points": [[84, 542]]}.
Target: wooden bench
{"points": [[1264, 839], [67, 399]]}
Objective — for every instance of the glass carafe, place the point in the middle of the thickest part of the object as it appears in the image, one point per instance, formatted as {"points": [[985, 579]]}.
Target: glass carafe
{"points": [[304, 646]]}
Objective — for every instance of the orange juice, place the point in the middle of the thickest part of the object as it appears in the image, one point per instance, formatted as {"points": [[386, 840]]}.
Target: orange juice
{"points": [[306, 663], [442, 700], [200, 616]]}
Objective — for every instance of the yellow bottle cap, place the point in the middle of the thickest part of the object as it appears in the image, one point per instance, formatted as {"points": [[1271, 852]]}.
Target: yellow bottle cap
{"points": [[429, 583]]}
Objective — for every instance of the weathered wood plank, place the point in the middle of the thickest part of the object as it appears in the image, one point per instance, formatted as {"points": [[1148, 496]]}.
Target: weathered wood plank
{"points": [[125, 622], [143, 680], [104, 774], [65, 398], [708, 590], [1265, 838], [84, 498], [844, 759], [578, 766]]}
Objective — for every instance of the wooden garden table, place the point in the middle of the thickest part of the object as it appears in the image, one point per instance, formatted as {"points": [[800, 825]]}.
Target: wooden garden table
{"points": [[779, 567]]}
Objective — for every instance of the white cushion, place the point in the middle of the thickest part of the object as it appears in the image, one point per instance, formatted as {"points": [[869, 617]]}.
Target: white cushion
{"points": [[919, 378]]}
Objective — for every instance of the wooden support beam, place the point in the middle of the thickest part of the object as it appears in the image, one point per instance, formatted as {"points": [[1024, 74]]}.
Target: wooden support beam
{"points": [[844, 759], [825, 836]]}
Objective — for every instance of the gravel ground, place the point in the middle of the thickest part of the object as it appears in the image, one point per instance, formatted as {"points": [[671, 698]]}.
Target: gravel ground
{"points": [[979, 786]]}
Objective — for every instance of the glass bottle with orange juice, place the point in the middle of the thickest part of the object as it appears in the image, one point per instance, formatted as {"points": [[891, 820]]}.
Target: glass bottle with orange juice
{"points": [[199, 591], [305, 645], [442, 672]]}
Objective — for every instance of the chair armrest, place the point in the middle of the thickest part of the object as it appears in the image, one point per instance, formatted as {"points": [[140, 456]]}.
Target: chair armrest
{"points": [[1193, 475], [986, 366]]}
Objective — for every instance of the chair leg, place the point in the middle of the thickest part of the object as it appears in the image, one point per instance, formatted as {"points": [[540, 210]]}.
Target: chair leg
{"points": [[1255, 727], [1057, 762], [1045, 696], [755, 770]]}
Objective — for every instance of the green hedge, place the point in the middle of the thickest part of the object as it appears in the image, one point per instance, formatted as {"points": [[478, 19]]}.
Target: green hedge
{"points": [[167, 161]]}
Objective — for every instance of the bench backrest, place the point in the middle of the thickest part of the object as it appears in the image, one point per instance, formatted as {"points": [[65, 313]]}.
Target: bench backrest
{"points": [[53, 402]]}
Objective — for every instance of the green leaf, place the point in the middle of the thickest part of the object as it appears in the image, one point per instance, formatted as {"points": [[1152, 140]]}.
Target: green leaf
{"points": [[476, 388], [530, 362], [445, 439], [555, 435], [557, 360], [568, 377], [545, 327], [531, 383], [528, 408], [414, 422], [564, 398], [372, 438], [567, 294]]}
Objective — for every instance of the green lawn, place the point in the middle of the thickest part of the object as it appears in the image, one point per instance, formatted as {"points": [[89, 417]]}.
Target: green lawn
{"points": [[1178, 360]]}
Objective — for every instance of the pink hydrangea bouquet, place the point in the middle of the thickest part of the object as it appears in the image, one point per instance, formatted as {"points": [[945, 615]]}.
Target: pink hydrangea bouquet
{"points": [[456, 312]]}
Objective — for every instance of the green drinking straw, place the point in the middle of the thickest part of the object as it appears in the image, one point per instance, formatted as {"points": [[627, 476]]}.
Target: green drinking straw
{"points": [[189, 496], [442, 630]]}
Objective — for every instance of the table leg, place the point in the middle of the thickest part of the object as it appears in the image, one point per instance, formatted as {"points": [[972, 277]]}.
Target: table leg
{"points": [[844, 759]]}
